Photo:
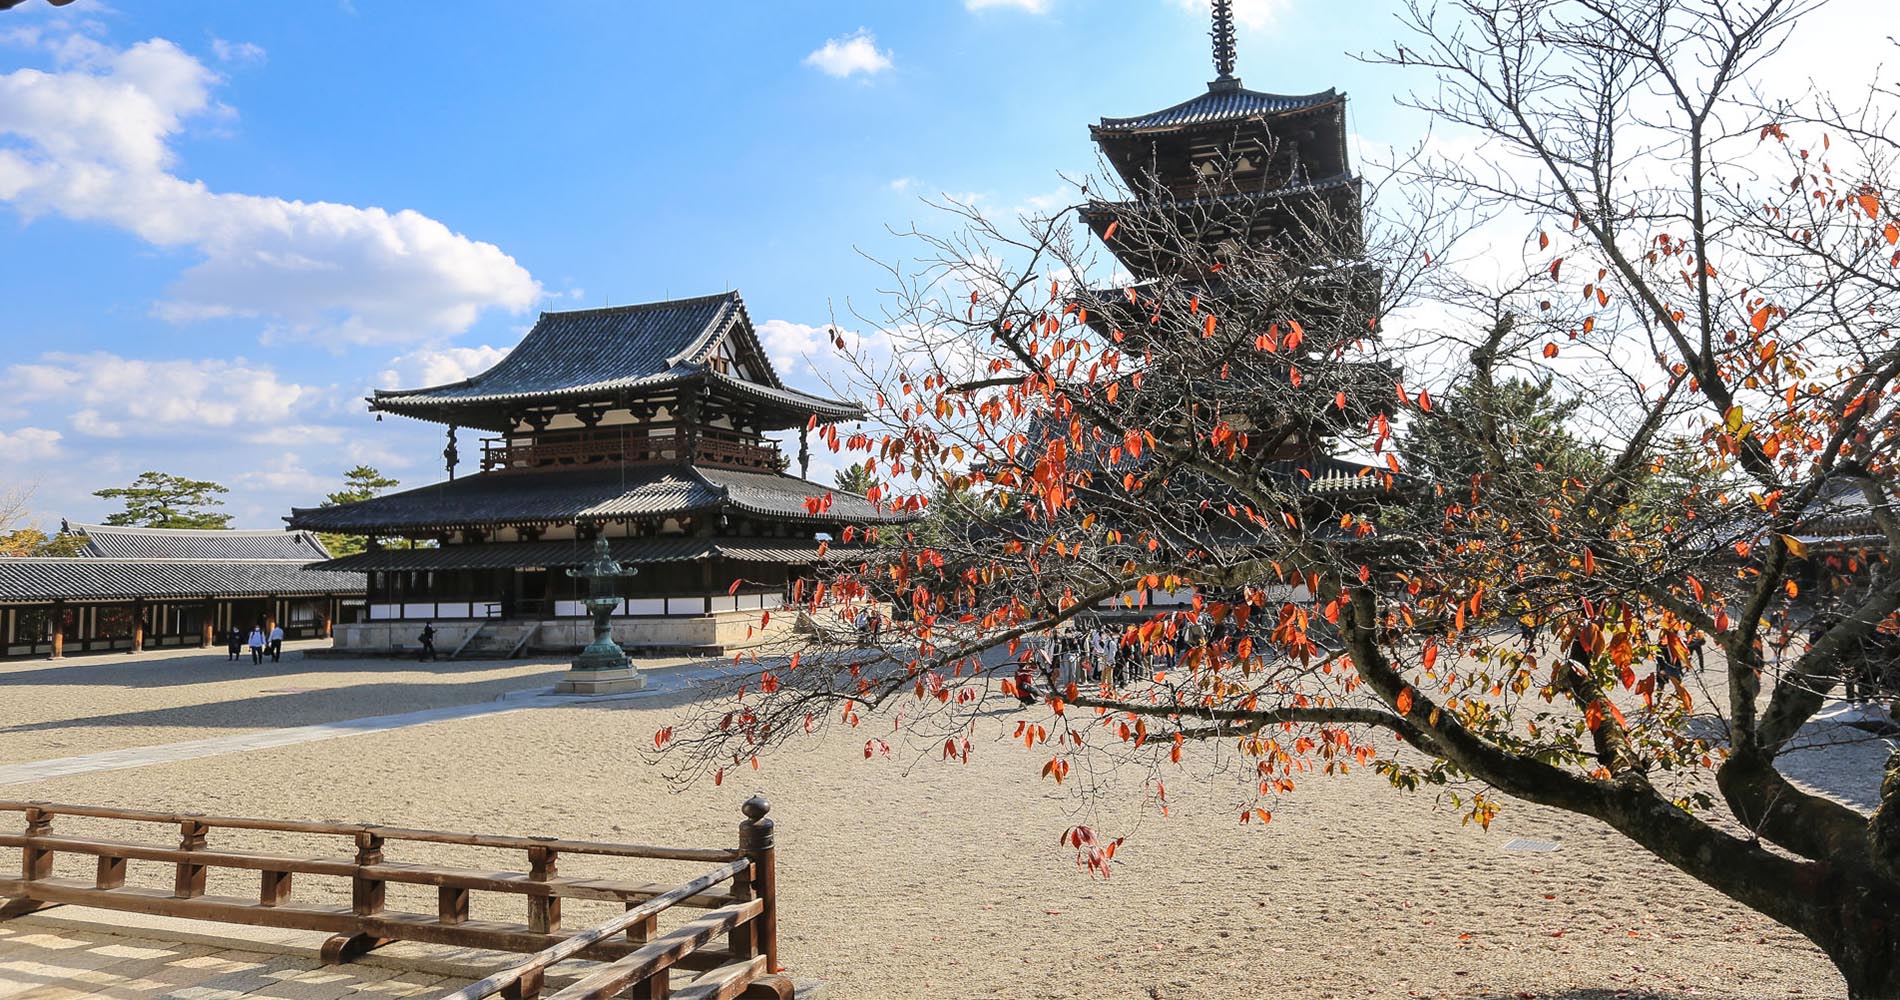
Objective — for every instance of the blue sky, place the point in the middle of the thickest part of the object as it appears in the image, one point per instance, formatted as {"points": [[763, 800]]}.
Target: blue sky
{"points": [[224, 222]]}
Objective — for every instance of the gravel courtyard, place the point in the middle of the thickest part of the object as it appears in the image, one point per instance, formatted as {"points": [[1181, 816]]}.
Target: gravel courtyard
{"points": [[905, 877]]}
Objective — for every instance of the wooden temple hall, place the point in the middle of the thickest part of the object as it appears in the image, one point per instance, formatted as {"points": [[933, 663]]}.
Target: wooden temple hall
{"points": [[645, 425], [140, 588]]}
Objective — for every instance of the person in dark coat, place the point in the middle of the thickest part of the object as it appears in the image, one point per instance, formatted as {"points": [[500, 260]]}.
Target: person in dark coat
{"points": [[234, 645], [1025, 683], [428, 642]]}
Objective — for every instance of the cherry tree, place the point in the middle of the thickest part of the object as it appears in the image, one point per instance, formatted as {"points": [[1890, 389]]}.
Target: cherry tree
{"points": [[1699, 277]]}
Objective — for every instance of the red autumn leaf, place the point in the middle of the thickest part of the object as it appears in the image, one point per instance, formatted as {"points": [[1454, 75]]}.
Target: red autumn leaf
{"points": [[1109, 233], [1207, 326], [1555, 266], [1550, 350], [1760, 320], [1870, 204], [1404, 702]]}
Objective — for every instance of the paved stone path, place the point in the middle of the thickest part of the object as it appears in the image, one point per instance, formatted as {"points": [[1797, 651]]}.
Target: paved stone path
{"points": [[43, 963], [658, 683]]}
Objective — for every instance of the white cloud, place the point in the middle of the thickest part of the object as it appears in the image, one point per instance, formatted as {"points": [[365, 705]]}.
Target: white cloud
{"points": [[29, 443], [902, 185], [1032, 6], [92, 140], [438, 365], [114, 397], [236, 52], [1255, 14], [792, 346], [848, 54]]}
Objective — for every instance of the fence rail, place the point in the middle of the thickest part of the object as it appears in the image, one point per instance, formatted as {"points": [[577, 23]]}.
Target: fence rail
{"points": [[738, 895]]}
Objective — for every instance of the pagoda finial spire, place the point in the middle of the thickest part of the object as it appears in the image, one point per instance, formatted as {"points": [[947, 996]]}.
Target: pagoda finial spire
{"points": [[1223, 35]]}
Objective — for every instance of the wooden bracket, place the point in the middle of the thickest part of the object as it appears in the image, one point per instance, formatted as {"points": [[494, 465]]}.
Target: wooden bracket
{"points": [[11, 908], [342, 948]]}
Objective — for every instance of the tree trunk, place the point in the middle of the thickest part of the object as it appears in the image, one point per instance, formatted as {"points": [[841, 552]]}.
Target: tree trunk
{"points": [[1865, 932]]}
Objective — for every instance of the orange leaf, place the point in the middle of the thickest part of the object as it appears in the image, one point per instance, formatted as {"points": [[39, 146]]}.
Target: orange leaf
{"points": [[1550, 350], [1543, 240], [1339, 399], [1404, 702], [1892, 232], [1555, 266], [1869, 204], [1109, 233], [1207, 326], [1760, 320]]}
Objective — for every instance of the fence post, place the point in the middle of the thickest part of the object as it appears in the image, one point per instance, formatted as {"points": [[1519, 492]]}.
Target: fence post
{"points": [[366, 894], [190, 880], [755, 839], [544, 909], [35, 862]]}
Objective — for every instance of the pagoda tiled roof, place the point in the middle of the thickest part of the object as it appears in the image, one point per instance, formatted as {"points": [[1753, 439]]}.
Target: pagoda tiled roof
{"points": [[1224, 101], [1104, 211], [594, 494], [601, 352]]}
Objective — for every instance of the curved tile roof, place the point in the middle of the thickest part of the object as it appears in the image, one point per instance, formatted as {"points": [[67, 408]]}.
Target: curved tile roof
{"points": [[87, 578], [1221, 103], [591, 350], [568, 496], [546, 496], [116, 542], [596, 352], [508, 555]]}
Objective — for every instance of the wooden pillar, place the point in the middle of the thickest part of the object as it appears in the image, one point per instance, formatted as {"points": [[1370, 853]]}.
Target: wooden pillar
{"points": [[210, 625], [691, 416], [36, 863], [138, 626], [366, 894], [59, 629], [189, 882], [544, 910], [756, 840]]}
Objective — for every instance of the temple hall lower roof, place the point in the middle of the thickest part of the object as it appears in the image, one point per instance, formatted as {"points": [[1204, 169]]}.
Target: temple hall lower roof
{"points": [[594, 494]]}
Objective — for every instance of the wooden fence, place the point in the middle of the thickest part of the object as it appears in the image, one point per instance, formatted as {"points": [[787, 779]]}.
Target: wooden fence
{"points": [[738, 896]]}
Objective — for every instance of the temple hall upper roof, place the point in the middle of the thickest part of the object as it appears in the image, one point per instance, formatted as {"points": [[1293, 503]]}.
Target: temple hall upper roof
{"points": [[587, 355]]}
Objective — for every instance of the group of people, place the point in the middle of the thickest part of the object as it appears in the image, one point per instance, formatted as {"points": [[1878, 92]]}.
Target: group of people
{"points": [[265, 639], [1096, 653]]}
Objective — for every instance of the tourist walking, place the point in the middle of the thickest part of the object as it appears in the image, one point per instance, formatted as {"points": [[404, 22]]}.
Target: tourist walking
{"points": [[276, 642], [257, 641], [1104, 639], [427, 638], [233, 644]]}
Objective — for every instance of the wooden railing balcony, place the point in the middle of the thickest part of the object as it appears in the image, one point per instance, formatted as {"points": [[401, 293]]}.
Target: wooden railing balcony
{"points": [[729, 950], [629, 446]]}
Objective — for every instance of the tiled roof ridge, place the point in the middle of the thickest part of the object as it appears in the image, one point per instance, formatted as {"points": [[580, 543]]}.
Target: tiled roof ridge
{"points": [[1266, 103], [78, 528], [157, 560], [732, 293]]}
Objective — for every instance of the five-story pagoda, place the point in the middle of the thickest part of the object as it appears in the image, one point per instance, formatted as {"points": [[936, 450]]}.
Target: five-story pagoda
{"points": [[644, 425]]}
